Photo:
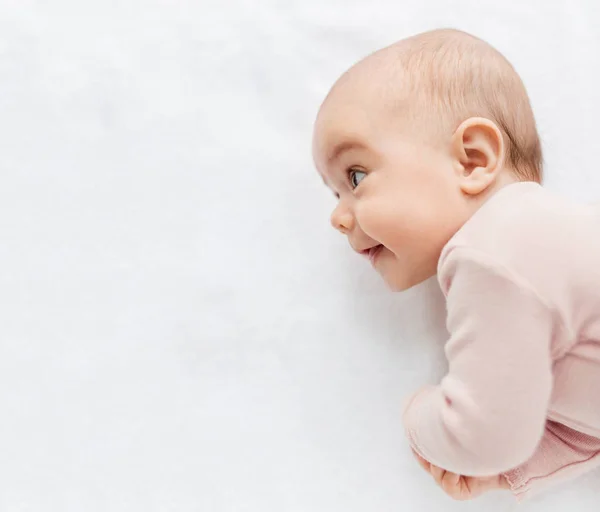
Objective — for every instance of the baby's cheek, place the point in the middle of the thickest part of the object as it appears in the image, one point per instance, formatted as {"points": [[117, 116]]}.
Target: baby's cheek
{"points": [[392, 221], [382, 224], [372, 217]]}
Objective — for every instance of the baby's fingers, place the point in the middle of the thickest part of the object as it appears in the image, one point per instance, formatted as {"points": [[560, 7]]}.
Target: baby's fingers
{"points": [[438, 474], [451, 484]]}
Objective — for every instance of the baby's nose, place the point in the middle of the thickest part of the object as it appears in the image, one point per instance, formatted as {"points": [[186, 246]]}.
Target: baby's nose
{"points": [[342, 220]]}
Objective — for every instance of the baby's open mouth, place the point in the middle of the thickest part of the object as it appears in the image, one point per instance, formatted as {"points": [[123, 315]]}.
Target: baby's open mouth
{"points": [[372, 252]]}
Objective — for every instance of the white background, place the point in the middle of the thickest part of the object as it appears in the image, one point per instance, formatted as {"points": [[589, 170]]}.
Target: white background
{"points": [[180, 328]]}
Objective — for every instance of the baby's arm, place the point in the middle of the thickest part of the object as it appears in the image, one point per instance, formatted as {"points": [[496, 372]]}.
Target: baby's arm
{"points": [[488, 413]]}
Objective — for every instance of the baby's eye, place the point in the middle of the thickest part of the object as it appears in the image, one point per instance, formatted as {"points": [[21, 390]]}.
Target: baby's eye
{"points": [[356, 176]]}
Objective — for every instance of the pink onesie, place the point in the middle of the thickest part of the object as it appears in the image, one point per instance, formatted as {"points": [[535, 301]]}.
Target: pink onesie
{"points": [[522, 393]]}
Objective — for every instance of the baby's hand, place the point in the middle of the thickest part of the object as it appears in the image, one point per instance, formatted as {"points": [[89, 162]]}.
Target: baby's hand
{"points": [[462, 487]]}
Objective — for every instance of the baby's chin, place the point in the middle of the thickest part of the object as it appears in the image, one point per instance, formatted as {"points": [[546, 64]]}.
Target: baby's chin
{"points": [[403, 286], [402, 281]]}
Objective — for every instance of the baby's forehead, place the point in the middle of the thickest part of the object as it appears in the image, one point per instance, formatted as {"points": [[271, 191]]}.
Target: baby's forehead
{"points": [[346, 115], [349, 126], [337, 134]]}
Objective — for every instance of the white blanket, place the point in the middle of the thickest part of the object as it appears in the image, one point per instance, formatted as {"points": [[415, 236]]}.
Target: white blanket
{"points": [[181, 329]]}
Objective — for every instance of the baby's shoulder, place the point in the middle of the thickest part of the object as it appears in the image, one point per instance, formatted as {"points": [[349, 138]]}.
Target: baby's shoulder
{"points": [[529, 230]]}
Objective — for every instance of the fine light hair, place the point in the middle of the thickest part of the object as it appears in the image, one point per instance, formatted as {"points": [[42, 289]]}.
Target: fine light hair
{"points": [[447, 76]]}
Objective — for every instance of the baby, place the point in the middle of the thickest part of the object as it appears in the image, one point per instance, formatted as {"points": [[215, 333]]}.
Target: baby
{"points": [[430, 146]]}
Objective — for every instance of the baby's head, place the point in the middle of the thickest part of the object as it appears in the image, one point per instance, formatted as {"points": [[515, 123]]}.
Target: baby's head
{"points": [[414, 138]]}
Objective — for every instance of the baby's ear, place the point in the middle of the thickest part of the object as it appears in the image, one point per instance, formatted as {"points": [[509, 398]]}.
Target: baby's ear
{"points": [[478, 151]]}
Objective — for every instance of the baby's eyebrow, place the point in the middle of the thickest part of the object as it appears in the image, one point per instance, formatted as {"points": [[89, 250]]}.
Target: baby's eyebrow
{"points": [[341, 147]]}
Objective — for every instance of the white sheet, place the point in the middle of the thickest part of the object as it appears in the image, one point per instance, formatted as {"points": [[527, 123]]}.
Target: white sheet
{"points": [[181, 329]]}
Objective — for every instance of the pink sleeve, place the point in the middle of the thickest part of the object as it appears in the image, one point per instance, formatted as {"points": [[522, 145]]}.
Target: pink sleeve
{"points": [[488, 413], [562, 454]]}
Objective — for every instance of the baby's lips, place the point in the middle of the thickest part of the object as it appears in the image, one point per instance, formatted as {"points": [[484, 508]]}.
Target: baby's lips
{"points": [[374, 251]]}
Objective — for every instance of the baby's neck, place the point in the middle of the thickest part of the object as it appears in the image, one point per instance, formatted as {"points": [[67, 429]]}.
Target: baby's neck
{"points": [[505, 177]]}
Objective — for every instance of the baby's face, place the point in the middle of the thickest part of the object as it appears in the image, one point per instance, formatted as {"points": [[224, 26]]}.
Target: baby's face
{"points": [[398, 196]]}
